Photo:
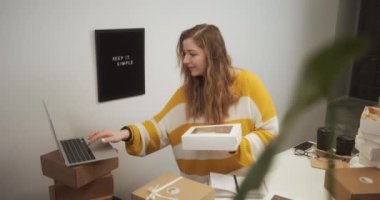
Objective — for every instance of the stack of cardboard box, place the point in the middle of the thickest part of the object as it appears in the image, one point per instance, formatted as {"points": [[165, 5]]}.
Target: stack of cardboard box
{"points": [[89, 181], [368, 138]]}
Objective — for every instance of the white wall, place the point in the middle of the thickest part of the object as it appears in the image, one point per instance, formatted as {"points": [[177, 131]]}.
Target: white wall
{"points": [[47, 52]]}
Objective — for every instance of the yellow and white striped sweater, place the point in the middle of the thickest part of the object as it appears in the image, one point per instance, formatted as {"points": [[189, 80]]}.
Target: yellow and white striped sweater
{"points": [[254, 111]]}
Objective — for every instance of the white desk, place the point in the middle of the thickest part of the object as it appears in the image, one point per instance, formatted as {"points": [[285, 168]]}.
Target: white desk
{"points": [[293, 177]]}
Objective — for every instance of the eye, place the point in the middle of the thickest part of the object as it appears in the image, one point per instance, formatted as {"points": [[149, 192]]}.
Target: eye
{"points": [[193, 54]]}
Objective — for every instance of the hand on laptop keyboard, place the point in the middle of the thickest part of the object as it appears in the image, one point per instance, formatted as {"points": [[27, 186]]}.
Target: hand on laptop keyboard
{"points": [[108, 136]]}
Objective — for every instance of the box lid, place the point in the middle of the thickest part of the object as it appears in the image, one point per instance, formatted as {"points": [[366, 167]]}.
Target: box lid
{"points": [[173, 186], [225, 137]]}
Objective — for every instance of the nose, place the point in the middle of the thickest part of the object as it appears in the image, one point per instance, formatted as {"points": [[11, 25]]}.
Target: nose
{"points": [[186, 59]]}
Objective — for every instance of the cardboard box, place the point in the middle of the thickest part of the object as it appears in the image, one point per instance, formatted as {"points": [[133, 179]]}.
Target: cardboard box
{"points": [[353, 183], [53, 166], [109, 197], [173, 186], [224, 137], [51, 192], [370, 120], [101, 188]]}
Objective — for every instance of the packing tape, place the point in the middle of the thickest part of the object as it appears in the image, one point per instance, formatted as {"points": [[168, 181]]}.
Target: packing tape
{"points": [[154, 192]]}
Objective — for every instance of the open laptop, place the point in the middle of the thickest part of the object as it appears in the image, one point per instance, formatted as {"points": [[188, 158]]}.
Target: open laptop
{"points": [[75, 151]]}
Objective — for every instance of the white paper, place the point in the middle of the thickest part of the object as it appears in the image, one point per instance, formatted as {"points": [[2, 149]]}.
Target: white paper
{"points": [[367, 147], [224, 186]]}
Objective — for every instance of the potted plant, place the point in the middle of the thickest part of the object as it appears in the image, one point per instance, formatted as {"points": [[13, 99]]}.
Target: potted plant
{"points": [[316, 83]]}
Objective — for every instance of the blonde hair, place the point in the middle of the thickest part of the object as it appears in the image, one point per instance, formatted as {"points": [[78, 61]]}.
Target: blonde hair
{"points": [[208, 96]]}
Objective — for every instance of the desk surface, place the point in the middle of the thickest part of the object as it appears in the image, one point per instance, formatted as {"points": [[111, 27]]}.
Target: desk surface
{"points": [[293, 177]]}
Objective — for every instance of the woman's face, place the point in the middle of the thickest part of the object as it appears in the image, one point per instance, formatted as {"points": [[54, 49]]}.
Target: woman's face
{"points": [[194, 58]]}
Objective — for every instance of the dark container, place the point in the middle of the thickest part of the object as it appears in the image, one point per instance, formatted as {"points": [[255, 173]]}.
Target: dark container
{"points": [[344, 145], [323, 137]]}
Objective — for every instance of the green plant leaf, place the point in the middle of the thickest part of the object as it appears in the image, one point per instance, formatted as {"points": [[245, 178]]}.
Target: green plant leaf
{"points": [[315, 83]]}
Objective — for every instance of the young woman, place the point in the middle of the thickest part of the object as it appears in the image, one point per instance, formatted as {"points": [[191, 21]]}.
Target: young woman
{"points": [[213, 92]]}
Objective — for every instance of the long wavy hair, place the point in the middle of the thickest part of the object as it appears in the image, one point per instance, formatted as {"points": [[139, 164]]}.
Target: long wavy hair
{"points": [[209, 96]]}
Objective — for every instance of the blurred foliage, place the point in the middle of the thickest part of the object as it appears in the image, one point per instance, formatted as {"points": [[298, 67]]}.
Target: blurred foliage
{"points": [[315, 83]]}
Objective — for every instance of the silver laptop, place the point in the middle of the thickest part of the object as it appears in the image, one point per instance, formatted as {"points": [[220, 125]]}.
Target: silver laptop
{"points": [[76, 151]]}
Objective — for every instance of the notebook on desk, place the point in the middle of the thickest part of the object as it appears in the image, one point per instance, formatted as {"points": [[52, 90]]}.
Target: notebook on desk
{"points": [[76, 151], [226, 186]]}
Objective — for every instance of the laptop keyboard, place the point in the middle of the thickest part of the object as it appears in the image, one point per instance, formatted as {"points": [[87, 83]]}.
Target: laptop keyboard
{"points": [[77, 150]]}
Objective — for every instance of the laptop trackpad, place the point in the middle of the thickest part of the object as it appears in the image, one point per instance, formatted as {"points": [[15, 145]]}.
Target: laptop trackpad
{"points": [[102, 150]]}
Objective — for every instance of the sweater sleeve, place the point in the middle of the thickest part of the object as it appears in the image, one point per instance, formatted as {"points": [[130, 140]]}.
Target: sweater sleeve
{"points": [[265, 123], [152, 135]]}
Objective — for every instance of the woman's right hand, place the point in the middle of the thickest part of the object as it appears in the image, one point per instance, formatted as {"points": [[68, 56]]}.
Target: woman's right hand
{"points": [[108, 136]]}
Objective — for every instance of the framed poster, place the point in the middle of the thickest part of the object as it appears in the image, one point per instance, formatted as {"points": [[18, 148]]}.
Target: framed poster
{"points": [[120, 60]]}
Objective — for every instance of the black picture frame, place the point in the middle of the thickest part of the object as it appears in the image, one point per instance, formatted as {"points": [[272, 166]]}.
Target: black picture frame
{"points": [[120, 60]]}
